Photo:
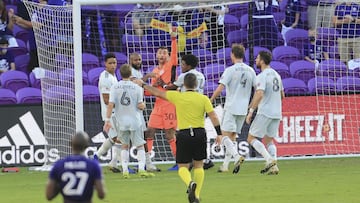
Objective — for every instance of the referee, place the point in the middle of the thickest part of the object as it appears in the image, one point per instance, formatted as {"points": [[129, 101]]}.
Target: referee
{"points": [[191, 107]]}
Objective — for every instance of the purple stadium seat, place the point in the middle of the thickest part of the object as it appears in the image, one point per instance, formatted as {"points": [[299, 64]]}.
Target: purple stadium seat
{"points": [[36, 83], [286, 54], [121, 58], [256, 52], [59, 94], [20, 50], [94, 74], [89, 61], [281, 68], [21, 33], [303, 70], [293, 86], [67, 75], [297, 38], [332, 68], [231, 23], [224, 55], [14, 80], [327, 34], [237, 36], [348, 84], [29, 95], [214, 71], [244, 21], [22, 62], [7, 96], [205, 56], [238, 9], [278, 17], [91, 93], [321, 85]]}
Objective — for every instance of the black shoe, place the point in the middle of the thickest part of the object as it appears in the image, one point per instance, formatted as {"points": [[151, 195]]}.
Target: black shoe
{"points": [[268, 166], [115, 170], [238, 164], [208, 164], [191, 192]]}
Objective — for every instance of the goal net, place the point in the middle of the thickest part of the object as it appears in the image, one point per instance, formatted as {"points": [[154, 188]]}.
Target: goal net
{"points": [[337, 82], [73, 57]]}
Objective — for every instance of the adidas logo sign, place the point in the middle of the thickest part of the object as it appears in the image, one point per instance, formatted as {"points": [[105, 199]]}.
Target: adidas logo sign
{"points": [[25, 144]]}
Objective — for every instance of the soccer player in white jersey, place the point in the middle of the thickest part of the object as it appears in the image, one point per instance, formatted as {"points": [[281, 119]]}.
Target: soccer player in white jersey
{"points": [[136, 62], [267, 98], [106, 80], [128, 100], [189, 63], [239, 81]]}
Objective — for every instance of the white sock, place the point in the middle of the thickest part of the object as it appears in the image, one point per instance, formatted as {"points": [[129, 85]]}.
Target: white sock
{"points": [[105, 147], [148, 158], [141, 158], [260, 147], [117, 155], [230, 148], [125, 159], [272, 150], [227, 160]]}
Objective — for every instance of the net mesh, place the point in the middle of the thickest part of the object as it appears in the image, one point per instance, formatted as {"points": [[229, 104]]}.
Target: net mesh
{"points": [[207, 31]]}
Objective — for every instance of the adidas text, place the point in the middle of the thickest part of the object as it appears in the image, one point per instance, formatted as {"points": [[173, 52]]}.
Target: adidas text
{"points": [[27, 155]]}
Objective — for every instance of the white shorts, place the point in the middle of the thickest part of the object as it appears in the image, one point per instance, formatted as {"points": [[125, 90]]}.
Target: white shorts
{"points": [[232, 123], [136, 137], [263, 125]]}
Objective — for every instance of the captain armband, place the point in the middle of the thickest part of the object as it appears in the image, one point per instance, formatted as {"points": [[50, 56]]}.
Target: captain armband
{"points": [[218, 129]]}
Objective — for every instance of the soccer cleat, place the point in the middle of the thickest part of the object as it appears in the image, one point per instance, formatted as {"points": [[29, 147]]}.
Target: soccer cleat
{"points": [[174, 168], [238, 164], [152, 168], [196, 200], [191, 192], [208, 164], [222, 169], [126, 175], [145, 174], [95, 157], [114, 169], [274, 170], [268, 166]]}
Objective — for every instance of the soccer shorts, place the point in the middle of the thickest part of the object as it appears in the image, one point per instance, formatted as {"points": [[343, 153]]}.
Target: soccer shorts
{"points": [[263, 125], [190, 147], [231, 122], [163, 116], [136, 137]]}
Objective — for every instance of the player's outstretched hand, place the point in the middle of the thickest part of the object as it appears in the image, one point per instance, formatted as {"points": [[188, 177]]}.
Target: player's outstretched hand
{"points": [[172, 31]]}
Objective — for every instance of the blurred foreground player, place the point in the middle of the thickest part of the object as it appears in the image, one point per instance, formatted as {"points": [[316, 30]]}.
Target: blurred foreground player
{"points": [[76, 176]]}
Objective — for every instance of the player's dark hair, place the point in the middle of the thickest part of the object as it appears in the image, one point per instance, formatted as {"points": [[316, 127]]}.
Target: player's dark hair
{"points": [[190, 60], [190, 81], [125, 71], [265, 56], [163, 48], [109, 55], [238, 50], [80, 141]]}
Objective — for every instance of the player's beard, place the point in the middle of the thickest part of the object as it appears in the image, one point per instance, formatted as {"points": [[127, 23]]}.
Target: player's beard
{"points": [[137, 67]]}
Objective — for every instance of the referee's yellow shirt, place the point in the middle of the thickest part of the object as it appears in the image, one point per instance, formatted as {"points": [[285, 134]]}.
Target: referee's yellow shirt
{"points": [[190, 108]]}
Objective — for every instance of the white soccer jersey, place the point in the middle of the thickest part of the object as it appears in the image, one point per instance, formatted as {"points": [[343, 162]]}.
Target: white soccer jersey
{"points": [[136, 73], [239, 79], [106, 80], [200, 78], [126, 95], [270, 105]]}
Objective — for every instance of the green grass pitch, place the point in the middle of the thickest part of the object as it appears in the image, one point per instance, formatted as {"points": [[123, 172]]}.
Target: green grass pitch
{"points": [[333, 180]]}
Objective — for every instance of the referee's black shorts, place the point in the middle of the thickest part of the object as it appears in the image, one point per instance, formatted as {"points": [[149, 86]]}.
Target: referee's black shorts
{"points": [[188, 147]]}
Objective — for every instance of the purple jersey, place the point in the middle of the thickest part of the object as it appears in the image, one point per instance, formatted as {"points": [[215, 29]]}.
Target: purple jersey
{"points": [[76, 176], [348, 30]]}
